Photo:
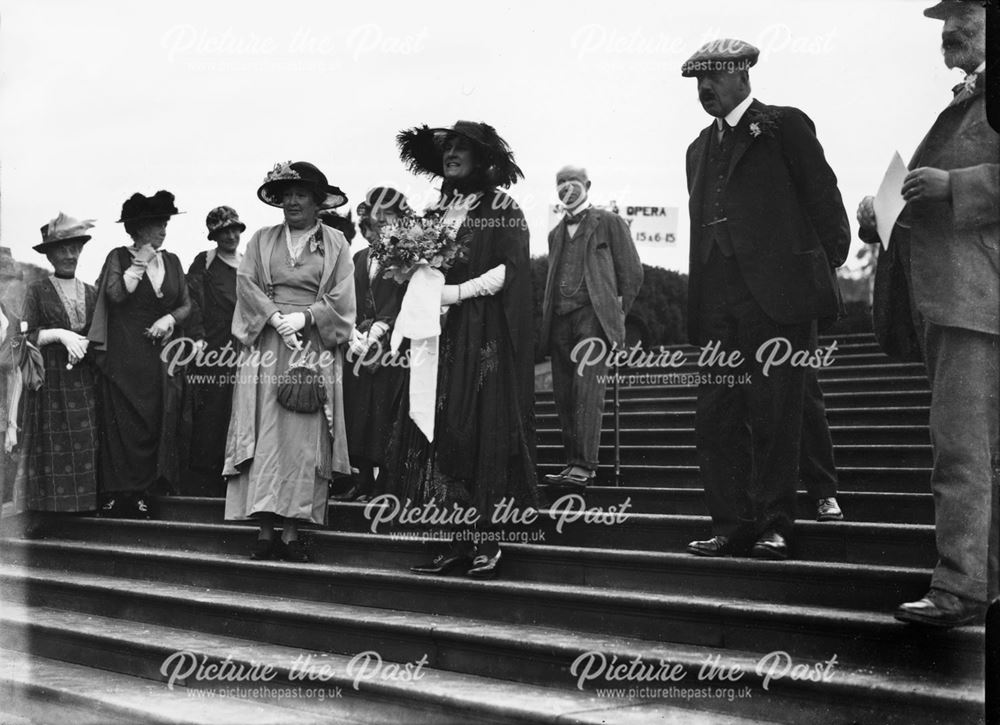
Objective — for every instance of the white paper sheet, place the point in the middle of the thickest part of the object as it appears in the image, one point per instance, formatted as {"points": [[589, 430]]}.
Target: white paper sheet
{"points": [[889, 199]]}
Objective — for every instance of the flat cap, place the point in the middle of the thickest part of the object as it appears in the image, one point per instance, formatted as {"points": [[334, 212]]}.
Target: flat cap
{"points": [[946, 8], [726, 55]]}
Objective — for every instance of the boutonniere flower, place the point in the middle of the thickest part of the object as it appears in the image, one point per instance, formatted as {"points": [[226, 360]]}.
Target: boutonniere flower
{"points": [[316, 243], [764, 123]]}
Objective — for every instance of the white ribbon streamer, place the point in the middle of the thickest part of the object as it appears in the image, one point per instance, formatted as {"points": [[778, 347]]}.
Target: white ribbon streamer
{"points": [[419, 320]]}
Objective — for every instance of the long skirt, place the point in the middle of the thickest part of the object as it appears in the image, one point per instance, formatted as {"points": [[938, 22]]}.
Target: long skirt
{"points": [[282, 478]]}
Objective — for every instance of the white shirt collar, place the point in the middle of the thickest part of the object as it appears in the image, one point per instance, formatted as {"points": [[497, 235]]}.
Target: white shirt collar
{"points": [[980, 69], [580, 207], [734, 116]]}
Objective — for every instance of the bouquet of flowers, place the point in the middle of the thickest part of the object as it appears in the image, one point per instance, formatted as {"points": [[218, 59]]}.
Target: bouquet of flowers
{"points": [[413, 241]]}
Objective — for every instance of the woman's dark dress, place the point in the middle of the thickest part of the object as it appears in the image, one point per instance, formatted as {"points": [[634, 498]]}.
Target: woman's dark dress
{"points": [[371, 393], [140, 403], [213, 297], [484, 428], [60, 438]]}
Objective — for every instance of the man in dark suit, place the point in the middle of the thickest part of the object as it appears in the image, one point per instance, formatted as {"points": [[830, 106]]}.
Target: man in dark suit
{"points": [[593, 279], [767, 226], [947, 241]]}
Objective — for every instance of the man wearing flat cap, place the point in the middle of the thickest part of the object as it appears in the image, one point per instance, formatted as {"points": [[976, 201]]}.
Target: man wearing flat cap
{"points": [[767, 227], [946, 242]]}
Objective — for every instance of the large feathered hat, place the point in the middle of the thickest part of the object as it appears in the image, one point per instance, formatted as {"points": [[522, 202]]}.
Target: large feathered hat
{"points": [[422, 148]]}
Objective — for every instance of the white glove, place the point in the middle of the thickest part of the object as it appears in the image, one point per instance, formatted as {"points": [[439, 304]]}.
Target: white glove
{"points": [[488, 283], [356, 345]]}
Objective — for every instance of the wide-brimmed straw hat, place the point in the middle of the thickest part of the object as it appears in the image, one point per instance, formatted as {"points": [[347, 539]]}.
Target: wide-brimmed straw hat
{"points": [[286, 173], [64, 230], [422, 148]]}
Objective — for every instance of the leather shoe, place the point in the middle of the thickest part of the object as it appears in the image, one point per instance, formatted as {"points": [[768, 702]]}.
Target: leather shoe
{"points": [[771, 545], [294, 551], [939, 608], [827, 509], [263, 550], [485, 567], [716, 546], [444, 563], [557, 477]]}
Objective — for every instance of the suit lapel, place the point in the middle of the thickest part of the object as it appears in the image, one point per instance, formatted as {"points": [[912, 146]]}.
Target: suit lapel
{"points": [[558, 242], [585, 232], [945, 127]]}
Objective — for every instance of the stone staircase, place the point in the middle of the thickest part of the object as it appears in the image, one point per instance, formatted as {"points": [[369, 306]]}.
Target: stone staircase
{"points": [[93, 609]]}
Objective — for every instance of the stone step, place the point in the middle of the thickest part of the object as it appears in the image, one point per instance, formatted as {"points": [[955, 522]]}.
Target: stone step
{"points": [[437, 697], [907, 415], [45, 691], [305, 612], [685, 400], [837, 541], [502, 652], [645, 383], [884, 507], [841, 434], [112, 549], [907, 455], [852, 542], [895, 479]]}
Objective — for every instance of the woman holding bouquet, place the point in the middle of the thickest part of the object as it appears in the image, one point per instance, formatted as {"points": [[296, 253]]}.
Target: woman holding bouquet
{"points": [[480, 450], [294, 304], [371, 387]]}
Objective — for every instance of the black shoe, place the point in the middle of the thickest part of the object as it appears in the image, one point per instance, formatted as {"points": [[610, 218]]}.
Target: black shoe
{"points": [[296, 552], [940, 609], [716, 546], [348, 495], [143, 509], [771, 545], [444, 563], [264, 549], [110, 508], [485, 567], [557, 477]]}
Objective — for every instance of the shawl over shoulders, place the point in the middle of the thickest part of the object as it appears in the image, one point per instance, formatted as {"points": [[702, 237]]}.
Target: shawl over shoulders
{"points": [[333, 313]]}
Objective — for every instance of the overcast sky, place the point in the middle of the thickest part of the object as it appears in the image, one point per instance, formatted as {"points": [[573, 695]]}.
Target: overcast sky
{"points": [[104, 98]]}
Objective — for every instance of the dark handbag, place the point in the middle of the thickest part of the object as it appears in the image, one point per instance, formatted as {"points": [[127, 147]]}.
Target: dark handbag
{"points": [[300, 389]]}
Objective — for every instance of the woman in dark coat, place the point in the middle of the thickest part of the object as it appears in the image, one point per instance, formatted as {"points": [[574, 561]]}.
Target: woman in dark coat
{"points": [[371, 387], [483, 446], [59, 438], [142, 301], [212, 283]]}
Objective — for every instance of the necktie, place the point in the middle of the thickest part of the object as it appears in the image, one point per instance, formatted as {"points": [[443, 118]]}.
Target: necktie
{"points": [[724, 132], [572, 219]]}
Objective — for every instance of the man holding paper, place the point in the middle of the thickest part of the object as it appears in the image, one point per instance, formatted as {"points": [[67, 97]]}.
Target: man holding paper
{"points": [[947, 240]]}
